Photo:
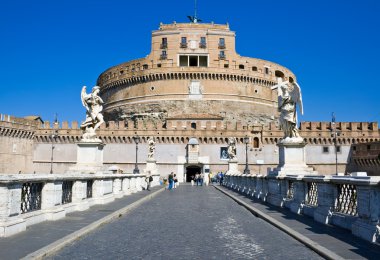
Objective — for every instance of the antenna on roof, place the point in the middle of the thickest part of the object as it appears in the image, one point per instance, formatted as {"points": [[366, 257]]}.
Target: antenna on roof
{"points": [[194, 19]]}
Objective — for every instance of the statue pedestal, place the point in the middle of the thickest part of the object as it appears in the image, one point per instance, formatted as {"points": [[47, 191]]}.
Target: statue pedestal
{"points": [[292, 158], [233, 167], [89, 157], [151, 169]]}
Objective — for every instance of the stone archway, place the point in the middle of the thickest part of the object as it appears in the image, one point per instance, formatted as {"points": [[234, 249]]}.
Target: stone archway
{"points": [[191, 170]]}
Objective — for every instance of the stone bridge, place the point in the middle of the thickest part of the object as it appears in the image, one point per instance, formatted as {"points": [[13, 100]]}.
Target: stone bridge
{"points": [[249, 217]]}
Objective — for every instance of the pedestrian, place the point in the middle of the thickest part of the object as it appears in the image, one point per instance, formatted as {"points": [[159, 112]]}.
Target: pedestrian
{"points": [[166, 183], [192, 180], [197, 178], [201, 178], [175, 181], [171, 181], [148, 180], [221, 178]]}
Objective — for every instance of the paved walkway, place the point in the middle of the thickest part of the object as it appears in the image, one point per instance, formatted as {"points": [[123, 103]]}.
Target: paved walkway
{"points": [[188, 223], [42, 234], [335, 239]]}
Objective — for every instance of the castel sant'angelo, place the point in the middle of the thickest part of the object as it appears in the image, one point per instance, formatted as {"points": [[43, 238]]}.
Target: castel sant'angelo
{"points": [[191, 93]]}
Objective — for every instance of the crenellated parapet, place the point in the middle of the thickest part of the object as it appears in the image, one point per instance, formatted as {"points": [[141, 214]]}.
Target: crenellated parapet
{"points": [[11, 126], [209, 131]]}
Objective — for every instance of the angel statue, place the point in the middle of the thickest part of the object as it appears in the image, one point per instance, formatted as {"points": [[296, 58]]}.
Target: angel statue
{"points": [[231, 148], [151, 147], [93, 104], [289, 96]]}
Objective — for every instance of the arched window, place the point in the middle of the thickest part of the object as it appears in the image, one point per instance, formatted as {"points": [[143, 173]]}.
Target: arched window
{"points": [[256, 142], [194, 125]]}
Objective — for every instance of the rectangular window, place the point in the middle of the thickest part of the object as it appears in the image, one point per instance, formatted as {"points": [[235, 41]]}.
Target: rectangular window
{"points": [[325, 149], [338, 149], [222, 44], [202, 44], [226, 66], [183, 42], [202, 61], [163, 55], [222, 56], [164, 43], [183, 60], [266, 70], [193, 61]]}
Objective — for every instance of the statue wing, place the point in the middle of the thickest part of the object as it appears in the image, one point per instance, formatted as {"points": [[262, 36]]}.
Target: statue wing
{"points": [[297, 96], [83, 98]]}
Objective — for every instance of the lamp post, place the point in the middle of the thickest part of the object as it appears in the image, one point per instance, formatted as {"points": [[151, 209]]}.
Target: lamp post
{"points": [[137, 140], [334, 135], [246, 141], [53, 138]]}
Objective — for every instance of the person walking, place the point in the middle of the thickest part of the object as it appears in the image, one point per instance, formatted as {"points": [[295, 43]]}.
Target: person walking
{"points": [[197, 178], [148, 180], [171, 181], [175, 181]]}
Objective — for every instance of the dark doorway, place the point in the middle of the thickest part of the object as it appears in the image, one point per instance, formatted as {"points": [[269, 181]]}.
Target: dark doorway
{"points": [[191, 171]]}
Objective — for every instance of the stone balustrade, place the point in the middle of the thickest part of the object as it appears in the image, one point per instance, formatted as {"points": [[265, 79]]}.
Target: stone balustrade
{"points": [[28, 199], [352, 203]]}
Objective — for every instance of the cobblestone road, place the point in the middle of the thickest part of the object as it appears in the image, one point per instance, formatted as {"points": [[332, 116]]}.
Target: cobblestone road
{"points": [[188, 223]]}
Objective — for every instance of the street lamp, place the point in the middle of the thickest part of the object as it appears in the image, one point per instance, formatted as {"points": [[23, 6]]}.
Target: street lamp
{"points": [[137, 141], [246, 141], [54, 135], [334, 135]]}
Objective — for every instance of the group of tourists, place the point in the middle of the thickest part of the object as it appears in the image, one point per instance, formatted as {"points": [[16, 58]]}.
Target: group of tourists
{"points": [[171, 182]]}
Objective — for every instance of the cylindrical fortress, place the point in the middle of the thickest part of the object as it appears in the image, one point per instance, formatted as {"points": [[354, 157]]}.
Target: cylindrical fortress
{"points": [[193, 69]]}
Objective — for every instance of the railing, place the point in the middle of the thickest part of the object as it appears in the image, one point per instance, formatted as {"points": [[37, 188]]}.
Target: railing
{"points": [[348, 202], [31, 196], [67, 192], [222, 46], [183, 45], [222, 57], [89, 189], [28, 199], [347, 199], [290, 192], [312, 194], [202, 45], [164, 46], [163, 56]]}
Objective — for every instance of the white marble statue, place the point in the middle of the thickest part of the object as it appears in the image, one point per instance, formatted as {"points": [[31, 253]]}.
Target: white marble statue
{"points": [[94, 118], [289, 96], [232, 148], [151, 147]]}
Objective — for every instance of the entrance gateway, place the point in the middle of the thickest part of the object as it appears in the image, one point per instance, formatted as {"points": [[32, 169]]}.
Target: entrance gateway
{"points": [[191, 170]]}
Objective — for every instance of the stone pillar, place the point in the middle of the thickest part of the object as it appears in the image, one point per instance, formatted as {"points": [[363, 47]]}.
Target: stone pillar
{"points": [[296, 204], [117, 188], [326, 202], [133, 184], [102, 191], [52, 200], [79, 195], [277, 189], [139, 183], [126, 186], [368, 224], [10, 201]]}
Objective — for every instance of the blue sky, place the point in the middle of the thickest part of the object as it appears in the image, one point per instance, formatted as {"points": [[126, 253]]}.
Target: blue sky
{"points": [[50, 49]]}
